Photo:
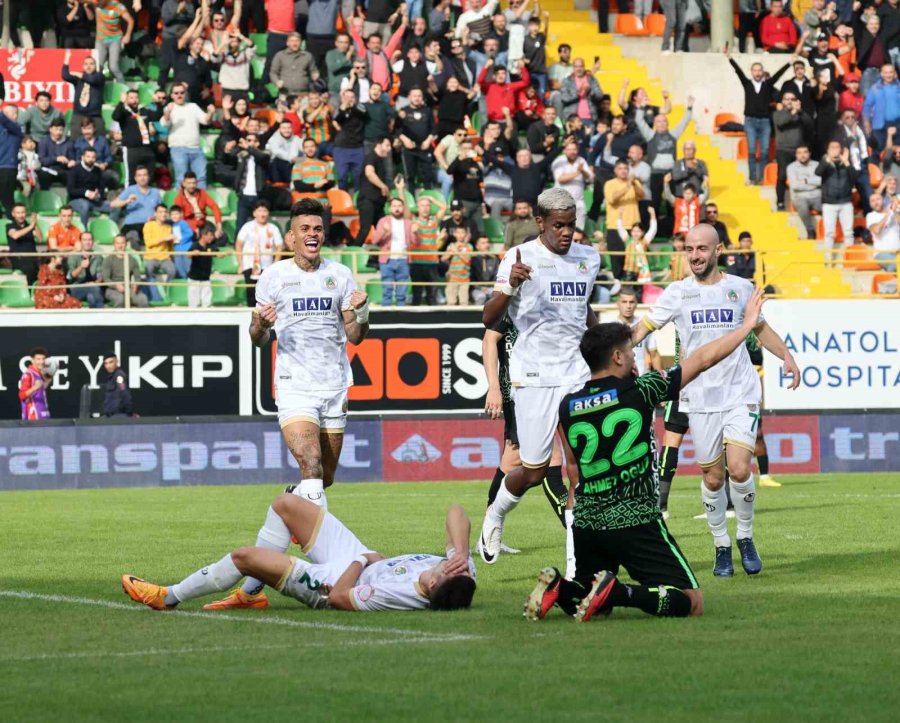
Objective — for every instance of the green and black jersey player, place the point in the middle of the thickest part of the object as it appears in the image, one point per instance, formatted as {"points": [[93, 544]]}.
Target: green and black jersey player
{"points": [[496, 348], [608, 428]]}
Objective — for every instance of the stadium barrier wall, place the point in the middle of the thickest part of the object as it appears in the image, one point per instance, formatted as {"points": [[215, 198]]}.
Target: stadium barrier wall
{"points": [[241, 450]]}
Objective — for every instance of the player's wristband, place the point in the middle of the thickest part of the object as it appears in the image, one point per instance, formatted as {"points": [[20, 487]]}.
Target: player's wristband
{"points": [[362, 313], [509, 290], [362, 560]]}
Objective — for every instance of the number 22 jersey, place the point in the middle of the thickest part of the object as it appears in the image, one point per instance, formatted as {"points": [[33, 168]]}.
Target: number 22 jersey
{"points": [[609, 426]]}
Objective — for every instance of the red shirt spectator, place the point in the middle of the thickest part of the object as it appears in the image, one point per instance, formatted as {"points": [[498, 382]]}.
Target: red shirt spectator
{"points": [[51, 274], [529, 103], [280, 15], [851, 98], [498, 93], [777, 30], [196, 205]]}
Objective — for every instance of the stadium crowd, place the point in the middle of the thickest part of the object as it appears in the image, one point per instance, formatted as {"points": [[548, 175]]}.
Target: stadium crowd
{"points": [[429, 133]]}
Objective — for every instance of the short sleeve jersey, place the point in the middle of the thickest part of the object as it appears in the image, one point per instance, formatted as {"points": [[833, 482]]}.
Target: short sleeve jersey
{"points": [[647, 346], [609, 426], [393, 584], [703, 313], [312, 342], [550, 313], [504, 351]]}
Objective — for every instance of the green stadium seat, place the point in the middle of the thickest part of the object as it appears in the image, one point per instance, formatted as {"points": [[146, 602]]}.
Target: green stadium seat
{"points": [[106, 113], [14, 292], [224, 292], [169, 196], [261, 41], [354, 258], [177, 292], [226, 198], [104, 230], [494, 229], [660, 263], [208, 144], [145, 92], [229, 227], [4, 222], [257, 64], [152, 70], [435, 196], [45, 202], [226, 264], [373, 289]]}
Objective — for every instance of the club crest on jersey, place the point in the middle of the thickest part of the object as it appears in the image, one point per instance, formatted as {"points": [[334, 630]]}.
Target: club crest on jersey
{"points": [[330, 283], [712, 318], [311, 304], [568, 290], [399, 570], [582, 267], [732, 295], [585, 405]]}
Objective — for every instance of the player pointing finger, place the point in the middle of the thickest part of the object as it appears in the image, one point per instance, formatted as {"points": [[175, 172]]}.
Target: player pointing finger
{"points": [[520, 272]]}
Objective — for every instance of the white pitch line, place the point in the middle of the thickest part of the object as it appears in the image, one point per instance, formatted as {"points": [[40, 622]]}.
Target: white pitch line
{"points": [[261, 620]]}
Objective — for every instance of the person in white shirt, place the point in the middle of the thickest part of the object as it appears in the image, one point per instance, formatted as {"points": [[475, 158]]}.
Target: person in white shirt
{"points": [[257, 244], [341, 573], [646, 355], [183, 120], [314, 307], [723, 403], [882, 223], [544, 286], [573, 173], [286, 149]]}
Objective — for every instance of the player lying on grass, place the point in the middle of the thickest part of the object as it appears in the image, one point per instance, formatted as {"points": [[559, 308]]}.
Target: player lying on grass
{"points": [[607, 426], [341, 573]]}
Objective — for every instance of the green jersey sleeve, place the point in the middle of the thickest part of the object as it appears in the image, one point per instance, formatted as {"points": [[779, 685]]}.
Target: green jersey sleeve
{"points": [[656, 387]]}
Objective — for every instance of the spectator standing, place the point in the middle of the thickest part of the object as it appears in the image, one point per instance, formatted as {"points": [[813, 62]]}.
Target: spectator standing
{"points": [[416, 133], [137, 128], [75, 25], [883, 225], [380, 115], [802, 88], [114, 274], [87, 191], [871, 49], [293, 69], [499, 93], [459, 257], [201, 259], [622, 194], [33, 388], [445, 153], [851, 135], [83, 268], [377, 57], [159, 242], [689, 169], [423, 262], [468, 176], [349, 142], [580, 93], [881, 110], [806, 188], [687, 208], [280, 25], [528, 178], [793, 128], [253, 167], [36, 119], [742, 264], [850, 98], [759, 94], [572, 172], [662, 146], [284, 150], [183, 236], [51, 292], [110, 40], [338, 62], [90, 139], [63, 235], [535, 49], [88, 96], [374, 188], [636, 266], [29, 165], [177, 16], [10, 142], [483, 271], [543, 135], [711, 216], [116, 396], [777, 31], [749, 12], [191, 69], [521, 226], [20, 238], [183, 119], [457, 218], [257, 245], [139, 201], [394, 236], [234, 66], [321, 30], [837, 192]]}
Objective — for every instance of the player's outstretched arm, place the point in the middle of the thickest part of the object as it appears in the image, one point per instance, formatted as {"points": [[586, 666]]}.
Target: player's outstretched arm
{"points": [[356, 318], [772, 342], [493, 403], [711, 354], [459, 529]]}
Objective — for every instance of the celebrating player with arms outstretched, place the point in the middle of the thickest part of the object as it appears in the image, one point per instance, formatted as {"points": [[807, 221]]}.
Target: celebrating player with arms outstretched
{"points": [[342, 573], [315, 309], [723, 405], [609, 426], [544, 287]]}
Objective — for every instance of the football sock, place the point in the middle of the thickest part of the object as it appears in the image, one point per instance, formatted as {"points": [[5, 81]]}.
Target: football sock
{"points": [[727, 487], [495, 485], [273, 535], [662, 601], [715, 504], [668, 463], [744, 498], [569, 516], [763, 461], [219, 576], [557, 494], [504, 502], [312, 490], [571, 592]]}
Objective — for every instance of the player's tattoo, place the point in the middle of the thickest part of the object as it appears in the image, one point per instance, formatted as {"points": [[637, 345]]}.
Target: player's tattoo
{"points": [[330, 443], [304, 445]]}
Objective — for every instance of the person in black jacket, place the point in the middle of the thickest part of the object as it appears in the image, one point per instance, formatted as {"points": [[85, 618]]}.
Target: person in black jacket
{"points": [[759, 95], [349, 141], [201, 255], [137, 134], [88, 98], [116, 396], [837, 191], [86, 189], [800, 86], [250, 177], [744, 264], [528, 178], [793, 128], [417, 135]]}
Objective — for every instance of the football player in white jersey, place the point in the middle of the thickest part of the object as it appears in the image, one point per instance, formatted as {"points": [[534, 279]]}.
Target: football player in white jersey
{"points": [[341, 573], [314, 307], [723, 404], [545, 288], [646, 356]]}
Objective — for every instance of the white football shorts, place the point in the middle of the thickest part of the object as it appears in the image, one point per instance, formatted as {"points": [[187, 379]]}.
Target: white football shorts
{"points": [[326, 408], [711, 431], [537, 416]]}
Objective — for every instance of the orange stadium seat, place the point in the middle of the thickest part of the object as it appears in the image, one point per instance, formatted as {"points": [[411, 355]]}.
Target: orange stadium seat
{"points": [[723, 118], [859, 258], [341, 203], [628, 24], [655, 24], [770, 174], [883, 278], [743, 152], [875, 175]]}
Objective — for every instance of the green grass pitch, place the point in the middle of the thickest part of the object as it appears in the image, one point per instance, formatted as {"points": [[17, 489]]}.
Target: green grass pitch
{"points": [[815, 637]]}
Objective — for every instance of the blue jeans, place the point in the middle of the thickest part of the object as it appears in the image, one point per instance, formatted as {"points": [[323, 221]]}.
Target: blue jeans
{"points": [[93, 295], [182, 264], [759, 131], [83, 207], [887, 260], [348, 159], [541, 80], [394, 276], [184, 159], [446, 181]]}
